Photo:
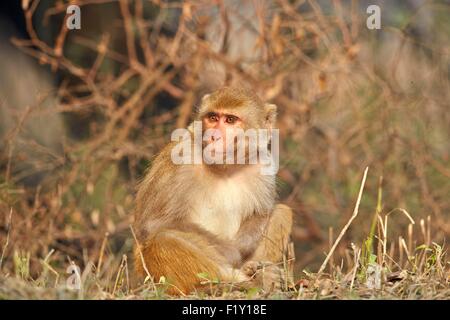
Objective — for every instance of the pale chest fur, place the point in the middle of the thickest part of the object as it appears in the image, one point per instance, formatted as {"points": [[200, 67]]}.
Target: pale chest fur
{"points": [[222, 205]]}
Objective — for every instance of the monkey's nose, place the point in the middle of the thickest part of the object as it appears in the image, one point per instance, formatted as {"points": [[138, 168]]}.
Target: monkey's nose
{"points": [[215, 137]]}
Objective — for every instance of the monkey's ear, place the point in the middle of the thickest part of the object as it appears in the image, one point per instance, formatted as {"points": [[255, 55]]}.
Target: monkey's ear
{"points": [[203, 104], [205, 97], [271, 114]]}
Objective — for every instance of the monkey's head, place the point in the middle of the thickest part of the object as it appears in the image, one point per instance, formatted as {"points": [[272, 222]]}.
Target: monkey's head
{"points": [[231, 111]]}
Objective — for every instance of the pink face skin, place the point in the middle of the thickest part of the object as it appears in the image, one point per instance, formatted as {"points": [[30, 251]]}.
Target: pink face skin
{"points": [[221, 122]]}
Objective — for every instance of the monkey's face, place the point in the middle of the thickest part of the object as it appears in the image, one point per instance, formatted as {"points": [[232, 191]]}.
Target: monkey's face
{"points": [[230, 119], [220, 130]]}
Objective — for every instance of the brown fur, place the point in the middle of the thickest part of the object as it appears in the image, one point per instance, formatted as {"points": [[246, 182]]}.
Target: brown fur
{"points": [[180, 257], [275, 241]]}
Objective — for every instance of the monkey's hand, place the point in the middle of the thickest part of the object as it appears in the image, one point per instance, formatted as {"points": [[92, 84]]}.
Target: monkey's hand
{"points": [[266, 275]]}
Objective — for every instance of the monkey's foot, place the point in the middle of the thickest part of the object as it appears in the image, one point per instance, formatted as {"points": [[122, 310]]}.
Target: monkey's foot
{"points": [[266, 275]]}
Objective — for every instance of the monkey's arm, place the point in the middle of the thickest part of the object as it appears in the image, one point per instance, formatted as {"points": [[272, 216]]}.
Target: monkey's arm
{"points": [[250, 234], [226, 248]]}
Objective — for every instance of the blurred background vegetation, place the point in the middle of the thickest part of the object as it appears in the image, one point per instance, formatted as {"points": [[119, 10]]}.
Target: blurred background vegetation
{"points": [[83, 112]]}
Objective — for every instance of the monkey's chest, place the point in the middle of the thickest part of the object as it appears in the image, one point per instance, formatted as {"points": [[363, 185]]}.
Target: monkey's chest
{"points": [[221, 210]]}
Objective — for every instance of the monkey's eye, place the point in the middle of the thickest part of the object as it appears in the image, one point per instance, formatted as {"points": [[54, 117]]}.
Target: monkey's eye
{"points": [[212, 117], [231, 119]]}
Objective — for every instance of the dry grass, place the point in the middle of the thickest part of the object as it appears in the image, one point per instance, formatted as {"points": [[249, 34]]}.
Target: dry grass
{"points": [[375, 274], [348, 98]]}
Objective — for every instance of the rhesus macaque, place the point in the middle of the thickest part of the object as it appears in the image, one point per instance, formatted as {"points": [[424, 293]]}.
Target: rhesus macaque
{"points": [[214, 219]]}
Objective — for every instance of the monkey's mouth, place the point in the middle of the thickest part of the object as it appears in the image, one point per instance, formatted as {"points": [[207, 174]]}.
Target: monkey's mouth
{"points": [[216, 150], [219, 154]]}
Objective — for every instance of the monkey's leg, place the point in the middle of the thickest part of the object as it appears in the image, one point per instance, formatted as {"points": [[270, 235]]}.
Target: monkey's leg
{"points": [[179, 257], [273, 260], [274, 245]]}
